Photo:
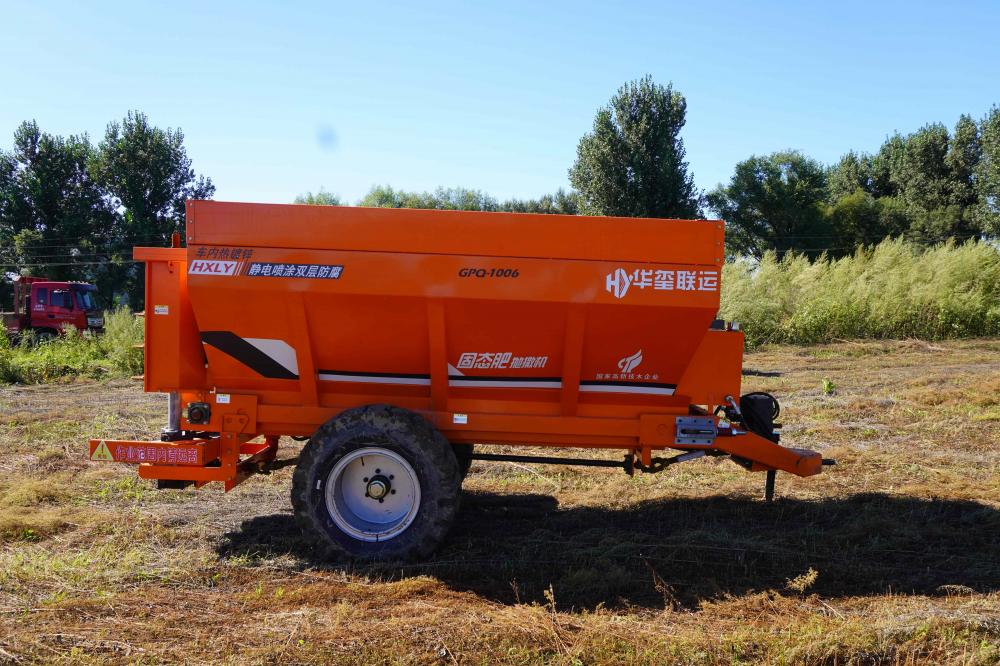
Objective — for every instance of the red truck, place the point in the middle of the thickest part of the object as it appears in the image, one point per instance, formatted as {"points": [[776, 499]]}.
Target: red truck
{"points": [[48, 307]]}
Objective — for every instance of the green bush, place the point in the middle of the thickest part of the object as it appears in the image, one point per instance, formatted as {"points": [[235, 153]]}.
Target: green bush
{"points": [[73, 354], [6, 371], [894, 290], [123, 333]]}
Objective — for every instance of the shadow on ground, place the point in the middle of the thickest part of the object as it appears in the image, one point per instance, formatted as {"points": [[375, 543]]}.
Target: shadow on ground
{"points": [[676, 552], [750, 372]]}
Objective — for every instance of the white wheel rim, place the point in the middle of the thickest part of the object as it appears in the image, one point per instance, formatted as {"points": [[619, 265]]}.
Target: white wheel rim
{"points": [[354, 487]]}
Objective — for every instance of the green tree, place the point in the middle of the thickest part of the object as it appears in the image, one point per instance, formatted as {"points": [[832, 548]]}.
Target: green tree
{"points": [[859, 218], [987, 175], [321, 198], [964, 154], [853, 172], [922, 175], [775, 202], [927, 184], [7, 201], [886, 164], [147, 176], [632, 162], [560, 203], [452, 198], [934, 178], [8, 204], [933, 174], [462, 198], [53, 215]]}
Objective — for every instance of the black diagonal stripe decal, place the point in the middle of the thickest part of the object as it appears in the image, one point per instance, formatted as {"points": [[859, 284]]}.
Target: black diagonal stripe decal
{"points": [[244, 352], [591, 382]]}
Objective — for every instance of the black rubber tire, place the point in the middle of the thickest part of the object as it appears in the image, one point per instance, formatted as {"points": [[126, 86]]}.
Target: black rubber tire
{"points": [[45, 335], [463, 454], [399, 430]]}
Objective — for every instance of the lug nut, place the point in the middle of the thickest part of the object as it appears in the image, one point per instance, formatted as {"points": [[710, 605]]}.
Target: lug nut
{"points": [[378, 487]]}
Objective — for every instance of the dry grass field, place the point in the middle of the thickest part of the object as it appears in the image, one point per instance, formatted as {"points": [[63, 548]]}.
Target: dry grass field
{"points": [[891, 557]]}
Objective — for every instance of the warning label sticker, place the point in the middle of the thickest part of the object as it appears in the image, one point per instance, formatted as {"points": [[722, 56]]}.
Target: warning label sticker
{"points": [[102, 453], [156, 453]]}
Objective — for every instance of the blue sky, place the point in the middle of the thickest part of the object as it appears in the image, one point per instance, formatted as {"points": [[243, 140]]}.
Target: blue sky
{"points": [[279, 98]]}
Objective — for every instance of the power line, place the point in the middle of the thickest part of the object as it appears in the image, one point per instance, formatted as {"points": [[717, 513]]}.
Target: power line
{"points": [[87, 241], [80, 263], [100, 255]]}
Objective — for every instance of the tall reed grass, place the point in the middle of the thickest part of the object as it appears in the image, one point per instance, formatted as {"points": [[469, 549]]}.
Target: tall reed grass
{"points": [[894, 290]]}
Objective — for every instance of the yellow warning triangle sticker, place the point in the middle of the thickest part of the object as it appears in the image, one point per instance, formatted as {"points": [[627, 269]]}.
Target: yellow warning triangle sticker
{"points": [[102, 452]]}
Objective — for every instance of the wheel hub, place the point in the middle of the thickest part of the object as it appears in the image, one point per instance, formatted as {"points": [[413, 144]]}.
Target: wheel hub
{"points": [[372, 494], [378, 487]]}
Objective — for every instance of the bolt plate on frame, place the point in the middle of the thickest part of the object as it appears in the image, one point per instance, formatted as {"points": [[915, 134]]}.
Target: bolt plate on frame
{"points": [[695, 431]]}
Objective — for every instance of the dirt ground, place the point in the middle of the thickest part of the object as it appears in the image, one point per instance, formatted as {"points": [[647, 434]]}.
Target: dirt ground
{"points": [[892, 556]]}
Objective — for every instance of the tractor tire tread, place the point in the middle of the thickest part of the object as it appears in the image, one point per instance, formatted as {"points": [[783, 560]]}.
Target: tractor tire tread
{"points": [[406, 432]]}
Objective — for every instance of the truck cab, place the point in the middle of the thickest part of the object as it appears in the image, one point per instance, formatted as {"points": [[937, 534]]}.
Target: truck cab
{"points": [[48, 307]]}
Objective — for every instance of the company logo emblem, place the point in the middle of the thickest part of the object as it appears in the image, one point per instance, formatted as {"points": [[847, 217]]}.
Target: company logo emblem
{"points": [[630, 363], [211, 267], [618, 282], [628, 371]]}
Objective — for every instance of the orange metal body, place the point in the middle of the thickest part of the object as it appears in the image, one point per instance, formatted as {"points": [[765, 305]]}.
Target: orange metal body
{"points": [[498, 327]]}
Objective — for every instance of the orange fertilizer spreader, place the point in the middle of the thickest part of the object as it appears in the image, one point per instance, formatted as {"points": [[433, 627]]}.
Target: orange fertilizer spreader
{"points": [[395, 340]]}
